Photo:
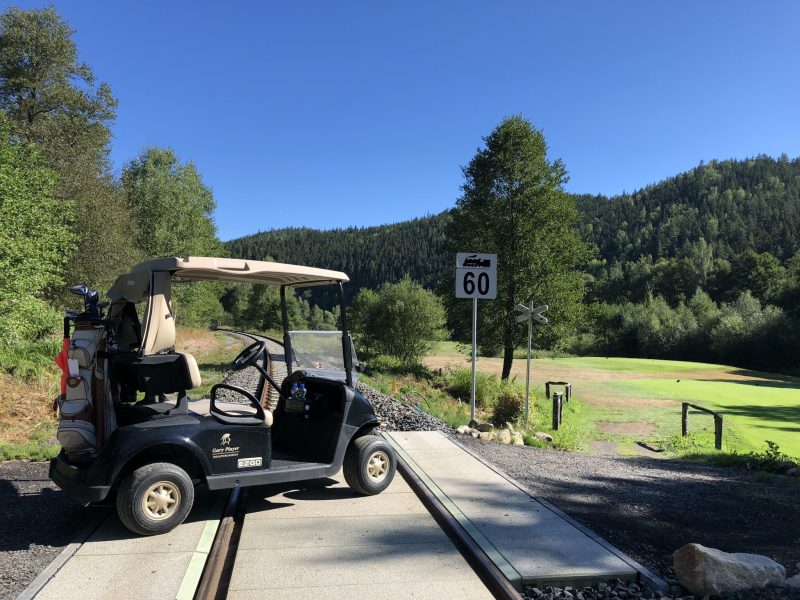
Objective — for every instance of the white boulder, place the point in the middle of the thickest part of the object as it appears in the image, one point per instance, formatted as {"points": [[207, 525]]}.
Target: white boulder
{"points": [[705, 571]]}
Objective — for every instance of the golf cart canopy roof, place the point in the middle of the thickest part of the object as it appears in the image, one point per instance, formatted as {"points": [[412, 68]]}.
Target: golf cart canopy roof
{"points": [[134, 286]]}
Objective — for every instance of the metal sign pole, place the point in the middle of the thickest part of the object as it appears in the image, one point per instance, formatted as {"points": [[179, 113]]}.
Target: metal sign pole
{"points": [[529, 313], [476, 278], [474, 353], [528, 370]]}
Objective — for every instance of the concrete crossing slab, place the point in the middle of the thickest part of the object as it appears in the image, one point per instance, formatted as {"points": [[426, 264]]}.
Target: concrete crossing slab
{"points": [[115, 563], [527, 539], [320, 540], [371, 591]]}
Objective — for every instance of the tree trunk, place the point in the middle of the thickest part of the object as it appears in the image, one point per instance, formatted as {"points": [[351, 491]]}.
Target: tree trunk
{"points": [[508, 357]]}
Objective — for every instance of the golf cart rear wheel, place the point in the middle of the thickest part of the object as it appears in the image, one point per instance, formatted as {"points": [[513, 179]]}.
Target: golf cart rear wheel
{"points": [[369, 465], [155, 498]]}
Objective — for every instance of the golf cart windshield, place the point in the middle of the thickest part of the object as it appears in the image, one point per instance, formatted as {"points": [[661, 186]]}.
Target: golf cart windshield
{"points": [[319, 351]]}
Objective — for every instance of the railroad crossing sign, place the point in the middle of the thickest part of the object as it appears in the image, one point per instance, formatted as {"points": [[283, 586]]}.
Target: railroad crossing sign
{"points": [[529, 315], [532, 313], [476, 276]]}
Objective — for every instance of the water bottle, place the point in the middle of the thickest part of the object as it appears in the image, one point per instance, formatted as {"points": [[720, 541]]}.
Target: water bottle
{"points": [[306, 407], [291, 405]]}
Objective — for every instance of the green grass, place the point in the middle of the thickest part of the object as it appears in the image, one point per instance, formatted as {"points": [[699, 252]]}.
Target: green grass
{"points": [[41, 445], [646, 395], [30, 360], [636, 365], [755, 413]]}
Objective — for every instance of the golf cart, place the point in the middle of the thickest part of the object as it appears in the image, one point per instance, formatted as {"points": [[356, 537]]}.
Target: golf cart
{"points": [[127, 425]]}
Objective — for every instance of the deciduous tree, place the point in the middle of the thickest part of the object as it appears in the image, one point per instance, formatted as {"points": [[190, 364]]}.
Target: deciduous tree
{"points": [[514, 205], [399, 320], [35, 239], [54, 101]]}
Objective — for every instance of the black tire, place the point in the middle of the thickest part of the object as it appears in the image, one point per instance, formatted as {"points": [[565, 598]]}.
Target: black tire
{"points": [[361, 465], [176, 490]]}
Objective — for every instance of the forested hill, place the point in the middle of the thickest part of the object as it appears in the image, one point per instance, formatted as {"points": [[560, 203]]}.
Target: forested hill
{"points": [[369, 255], [734, 206], [721, 209]]}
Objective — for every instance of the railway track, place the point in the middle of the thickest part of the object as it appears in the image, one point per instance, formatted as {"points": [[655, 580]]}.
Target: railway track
{"points": [[410, 540], [216, 575]]}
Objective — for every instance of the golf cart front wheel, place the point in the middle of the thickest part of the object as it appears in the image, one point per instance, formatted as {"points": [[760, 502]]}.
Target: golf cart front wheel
{"points": [[155, 498], [369, 465]]}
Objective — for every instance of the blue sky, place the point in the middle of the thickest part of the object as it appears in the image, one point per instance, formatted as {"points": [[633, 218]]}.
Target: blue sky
{"points": [[329, 114]]}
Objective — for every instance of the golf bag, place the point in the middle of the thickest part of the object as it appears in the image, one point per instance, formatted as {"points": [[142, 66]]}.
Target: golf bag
{"points": [[86, 413]]}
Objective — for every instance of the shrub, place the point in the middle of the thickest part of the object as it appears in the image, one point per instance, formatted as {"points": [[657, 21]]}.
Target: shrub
{"points": [[458, 383], [399, 320], [29, 359], [383, 364], [508, 407]]}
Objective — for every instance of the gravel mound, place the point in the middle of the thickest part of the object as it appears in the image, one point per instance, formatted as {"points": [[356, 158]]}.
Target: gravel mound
{"points": [[399, 416]]}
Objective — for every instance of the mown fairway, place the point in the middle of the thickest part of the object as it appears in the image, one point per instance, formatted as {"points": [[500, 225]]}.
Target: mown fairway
{"points": [[632, 400]]}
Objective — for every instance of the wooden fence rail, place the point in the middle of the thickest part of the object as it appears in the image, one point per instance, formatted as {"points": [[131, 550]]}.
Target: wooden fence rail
{"points": [[717, 422]]}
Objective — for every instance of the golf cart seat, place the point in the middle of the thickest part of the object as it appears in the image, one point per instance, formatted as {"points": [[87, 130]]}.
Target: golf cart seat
{"points": [[157, 369], [202, 408]]}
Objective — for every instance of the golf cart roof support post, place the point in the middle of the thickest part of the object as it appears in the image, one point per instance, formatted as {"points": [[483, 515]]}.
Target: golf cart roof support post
{"points": [[287, 340], [347, 348]]}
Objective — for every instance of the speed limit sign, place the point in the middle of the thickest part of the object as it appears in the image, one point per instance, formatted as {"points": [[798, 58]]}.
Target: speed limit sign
{"points": [[476, 276]]}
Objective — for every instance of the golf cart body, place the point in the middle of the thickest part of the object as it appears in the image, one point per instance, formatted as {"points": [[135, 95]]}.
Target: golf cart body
{"points": [[148, 449]]}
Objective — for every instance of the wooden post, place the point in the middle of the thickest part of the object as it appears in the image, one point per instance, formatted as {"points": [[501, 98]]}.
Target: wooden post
{"points": [[684, 419], [547, 390], [717, 422], [568, 390], [556, 410]]}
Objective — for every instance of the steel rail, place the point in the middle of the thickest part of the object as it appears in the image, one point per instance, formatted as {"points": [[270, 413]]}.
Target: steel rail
{"points": [[491, 576], [213, 583]]}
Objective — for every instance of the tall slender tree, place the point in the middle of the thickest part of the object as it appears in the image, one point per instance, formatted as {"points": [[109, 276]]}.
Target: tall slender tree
{"points": [[514, 205], [173, 212], [53, 100]]}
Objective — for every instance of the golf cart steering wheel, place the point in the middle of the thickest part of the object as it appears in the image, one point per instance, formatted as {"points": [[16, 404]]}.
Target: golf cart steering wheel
{"points": [[249, 356]]}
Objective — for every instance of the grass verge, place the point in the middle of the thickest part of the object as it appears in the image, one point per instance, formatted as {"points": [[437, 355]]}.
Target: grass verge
{"points": [[29, 381], [446, 397]]}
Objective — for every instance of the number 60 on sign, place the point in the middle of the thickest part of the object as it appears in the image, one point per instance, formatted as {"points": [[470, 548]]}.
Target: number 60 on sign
{"points": [[476, 276]]}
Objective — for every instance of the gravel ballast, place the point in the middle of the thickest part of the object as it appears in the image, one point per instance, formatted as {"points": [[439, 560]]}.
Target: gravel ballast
{"points": [[398, 416], [38, 520]]}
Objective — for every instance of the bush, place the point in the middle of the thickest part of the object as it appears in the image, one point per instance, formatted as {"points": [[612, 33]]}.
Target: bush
{"points": [[383, 364], [508, 407], [35, 241], [30, 360], [389, 365], [458, 383], [399, 320]]}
